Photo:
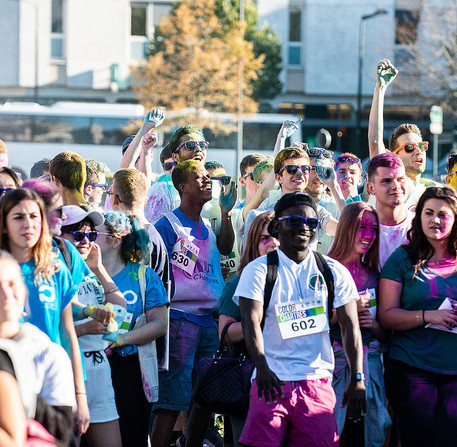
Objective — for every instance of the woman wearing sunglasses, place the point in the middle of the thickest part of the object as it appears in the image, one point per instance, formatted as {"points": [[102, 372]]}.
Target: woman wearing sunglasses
{"points": [[123, 242], [25, 235], [356, 246], [8, 180], [96, 288]]}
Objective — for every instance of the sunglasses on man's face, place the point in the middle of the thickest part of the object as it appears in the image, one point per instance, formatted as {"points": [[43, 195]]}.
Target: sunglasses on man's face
{"points": [[411, 147], [3, 191], [293, 169], [298, 221], [168, 165], [346, 158], [318, 151], [103, 186], [224, 179], [59, 212], [191, 145], [250, 175], [78, 235]]}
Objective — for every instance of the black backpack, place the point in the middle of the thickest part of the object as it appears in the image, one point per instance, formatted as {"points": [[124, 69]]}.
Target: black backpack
{"points": [[272, 273]]}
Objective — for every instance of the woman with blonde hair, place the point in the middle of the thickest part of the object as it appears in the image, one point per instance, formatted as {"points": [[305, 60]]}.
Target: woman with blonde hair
{"points": [[25, 235], [356, 246]]}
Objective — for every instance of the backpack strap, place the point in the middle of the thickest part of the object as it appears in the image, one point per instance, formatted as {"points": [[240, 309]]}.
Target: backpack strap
{"points": [[142, 281], [272, 274], [64, 250], [329, 282]]}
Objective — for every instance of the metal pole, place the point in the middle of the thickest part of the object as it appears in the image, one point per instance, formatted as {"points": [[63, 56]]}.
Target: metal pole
{"points": [[359, 84], [239, 142], [36, 88], [435, 156]]}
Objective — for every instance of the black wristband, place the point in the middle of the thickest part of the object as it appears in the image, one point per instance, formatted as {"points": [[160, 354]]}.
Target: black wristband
{"points": [[423, 317]]}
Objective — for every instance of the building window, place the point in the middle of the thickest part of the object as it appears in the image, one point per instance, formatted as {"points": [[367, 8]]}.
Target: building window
{"points": [[406, 23], [295, 37], [57, 30], [295, 26], [138, 20]]}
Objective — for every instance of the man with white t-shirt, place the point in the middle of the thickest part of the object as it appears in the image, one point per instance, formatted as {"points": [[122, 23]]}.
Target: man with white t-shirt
{"points": [[387, 182], [293, 354]]}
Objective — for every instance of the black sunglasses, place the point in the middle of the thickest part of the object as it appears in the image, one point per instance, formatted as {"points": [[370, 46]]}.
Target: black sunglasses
{"points": [[346, 158], [298, 221], [191, 145], [293, 169], [58, 211], [318, 151], [224, 179], [168, 165], [78, 235], [250, 175]]}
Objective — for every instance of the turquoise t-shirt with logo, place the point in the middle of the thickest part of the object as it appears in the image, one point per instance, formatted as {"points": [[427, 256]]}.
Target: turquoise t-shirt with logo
{"points": [[155, 296], [48, 299]]}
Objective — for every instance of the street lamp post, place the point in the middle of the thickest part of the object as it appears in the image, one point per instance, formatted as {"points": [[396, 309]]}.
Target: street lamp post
{"points": [[378, 12]]}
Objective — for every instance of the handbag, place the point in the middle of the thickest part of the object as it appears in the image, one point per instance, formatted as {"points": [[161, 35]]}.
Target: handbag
{"points": [[224, 381], [147, 353]]}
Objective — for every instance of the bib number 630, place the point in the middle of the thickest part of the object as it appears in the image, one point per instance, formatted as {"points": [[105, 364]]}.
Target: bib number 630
{"points": [[180, 258]]}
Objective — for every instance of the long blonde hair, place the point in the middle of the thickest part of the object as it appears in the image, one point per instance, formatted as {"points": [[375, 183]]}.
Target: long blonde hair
{"points": [[346, 232], [42, 252]]}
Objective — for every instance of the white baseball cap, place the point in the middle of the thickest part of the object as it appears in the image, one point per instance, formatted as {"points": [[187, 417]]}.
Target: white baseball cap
{"points": [[75, 214]]}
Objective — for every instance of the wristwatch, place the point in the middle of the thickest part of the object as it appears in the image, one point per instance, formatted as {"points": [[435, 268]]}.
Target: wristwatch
{"points": [[358, 377]]}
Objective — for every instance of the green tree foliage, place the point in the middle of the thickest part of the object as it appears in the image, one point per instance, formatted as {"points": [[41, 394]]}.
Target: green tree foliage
{"points": [[266, 42]]}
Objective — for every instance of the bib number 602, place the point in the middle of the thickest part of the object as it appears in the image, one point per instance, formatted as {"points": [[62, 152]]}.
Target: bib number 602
{"points": [[303, 325]]}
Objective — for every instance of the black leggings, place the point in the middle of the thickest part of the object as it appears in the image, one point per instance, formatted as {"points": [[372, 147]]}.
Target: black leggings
{"points": [[424, 404], [133, 408]]}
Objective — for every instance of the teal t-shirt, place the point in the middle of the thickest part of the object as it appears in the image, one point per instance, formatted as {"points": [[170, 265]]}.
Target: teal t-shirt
{"points": [[227, 305], [367, 335], [428, 349], [129, 285], [48, 299]]}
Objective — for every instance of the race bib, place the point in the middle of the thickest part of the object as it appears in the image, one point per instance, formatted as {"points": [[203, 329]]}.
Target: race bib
{"points": [[301, 318], [372, 303], [184, 255], [230, 262]]}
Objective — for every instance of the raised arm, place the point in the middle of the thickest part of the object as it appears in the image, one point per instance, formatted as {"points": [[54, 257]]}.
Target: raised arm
{"points": [[226, 237], [151, 121], [287, 129], [385, 74]]}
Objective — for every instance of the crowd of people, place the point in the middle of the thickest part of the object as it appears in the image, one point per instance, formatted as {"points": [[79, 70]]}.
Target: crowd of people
{"points": [[339, 285]]}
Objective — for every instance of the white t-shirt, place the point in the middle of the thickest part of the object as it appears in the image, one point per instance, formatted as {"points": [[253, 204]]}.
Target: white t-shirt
{"points": [[307, 356], [392, 237]]}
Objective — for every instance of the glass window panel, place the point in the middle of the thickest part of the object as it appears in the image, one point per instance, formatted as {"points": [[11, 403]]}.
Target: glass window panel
{"points": [[294, 56], [57, 47], [57, 16], [295, 26], [138, 20]]}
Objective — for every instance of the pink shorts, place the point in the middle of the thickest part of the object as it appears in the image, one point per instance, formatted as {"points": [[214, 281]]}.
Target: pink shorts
{"points": [[303, 417]]}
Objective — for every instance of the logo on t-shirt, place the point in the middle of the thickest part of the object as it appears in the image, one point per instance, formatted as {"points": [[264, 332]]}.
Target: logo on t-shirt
{"points": [[130, 300], [46, 293], [316, 282]]}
